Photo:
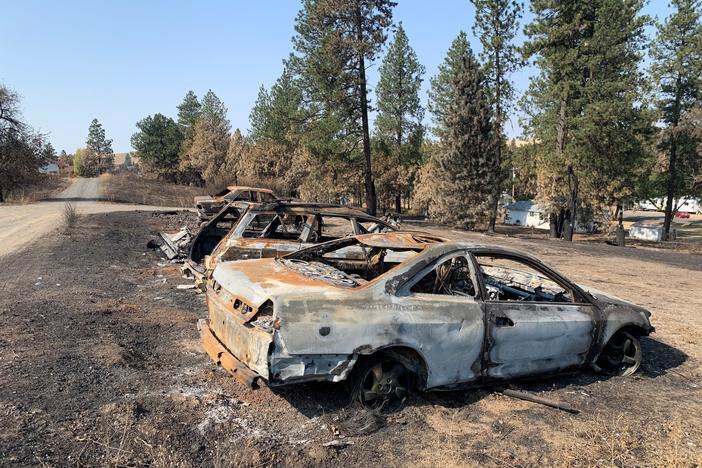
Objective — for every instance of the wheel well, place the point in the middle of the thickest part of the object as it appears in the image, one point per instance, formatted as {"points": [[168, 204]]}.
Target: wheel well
{"points": [[635, 330], [408, 357]]}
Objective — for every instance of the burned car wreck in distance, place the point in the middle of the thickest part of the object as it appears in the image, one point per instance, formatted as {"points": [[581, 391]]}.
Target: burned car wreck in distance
{"points": [[209, 205], [253, 230], [396, 311]]}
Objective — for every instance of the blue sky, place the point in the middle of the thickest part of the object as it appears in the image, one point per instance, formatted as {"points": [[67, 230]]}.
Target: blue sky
{"points": [[119, 61]]}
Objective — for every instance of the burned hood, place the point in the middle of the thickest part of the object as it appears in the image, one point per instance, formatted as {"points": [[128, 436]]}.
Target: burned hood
{"points": [[261, 279], [606, 299]]}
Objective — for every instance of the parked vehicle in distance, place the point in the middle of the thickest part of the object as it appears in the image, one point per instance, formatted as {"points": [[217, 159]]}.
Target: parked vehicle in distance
{"points": [[400, 311], [253, 230], [207, 205], [682, 215]]}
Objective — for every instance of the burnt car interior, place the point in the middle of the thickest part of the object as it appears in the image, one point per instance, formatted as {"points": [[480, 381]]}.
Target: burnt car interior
{"points": [[310, 228], [512, 279], [213, 232], [348, 263], [451, 277]]}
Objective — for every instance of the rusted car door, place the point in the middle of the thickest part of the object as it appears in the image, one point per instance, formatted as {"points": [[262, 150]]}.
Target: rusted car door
{"points": [[529, 332]]}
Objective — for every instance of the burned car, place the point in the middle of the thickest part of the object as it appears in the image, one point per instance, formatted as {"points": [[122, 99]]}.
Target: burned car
{"points": [[209, 205], [247, 230], [400, 311]]}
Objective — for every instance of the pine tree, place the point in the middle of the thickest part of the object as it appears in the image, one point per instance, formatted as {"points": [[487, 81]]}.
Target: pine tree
{"points": [[466, 165], [188, 113], [677, 68], [235, 156], [335, 41], [276, 113], [260, 116], [400, 112], [208, 151], [496, 24], [48, 152], [558, 35], [441, 91], [611, 132], [99, 144], [158, 143]]}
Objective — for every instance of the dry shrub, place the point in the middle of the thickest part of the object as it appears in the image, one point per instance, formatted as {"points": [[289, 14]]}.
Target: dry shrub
{"points": [[70, 215]]}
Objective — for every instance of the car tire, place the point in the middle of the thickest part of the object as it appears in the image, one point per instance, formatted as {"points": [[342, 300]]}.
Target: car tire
{"points": [[381, 383], [621, 356]]}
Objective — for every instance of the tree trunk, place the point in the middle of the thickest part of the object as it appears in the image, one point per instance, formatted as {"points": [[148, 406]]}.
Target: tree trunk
{"points": [[498, 128], [670, 191], [367, 169], [573, 185], [553, 225], [670, 185]]}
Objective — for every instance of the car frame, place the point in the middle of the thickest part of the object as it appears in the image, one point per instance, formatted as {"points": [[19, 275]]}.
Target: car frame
{"points": [[227, 236], [268, 321], [209, 205]]}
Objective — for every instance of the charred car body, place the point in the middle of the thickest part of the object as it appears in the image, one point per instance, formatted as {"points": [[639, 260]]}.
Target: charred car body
{"points": [[209, 205], [249, 230], [401, 310]]}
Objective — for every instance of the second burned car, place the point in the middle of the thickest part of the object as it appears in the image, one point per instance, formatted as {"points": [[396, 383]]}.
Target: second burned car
{"points": [[396, 311], [257, 230]]}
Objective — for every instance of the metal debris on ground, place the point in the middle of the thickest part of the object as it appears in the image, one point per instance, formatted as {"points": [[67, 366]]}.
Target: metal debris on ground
{"points": [[542, 401], [175, 246], [337, 443]]}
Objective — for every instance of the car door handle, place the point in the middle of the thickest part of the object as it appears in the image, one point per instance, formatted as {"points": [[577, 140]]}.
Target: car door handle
{"points": [[503, 321]]}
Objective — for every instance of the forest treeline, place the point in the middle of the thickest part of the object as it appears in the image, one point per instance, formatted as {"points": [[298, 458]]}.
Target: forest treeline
{"points": [[612, 115]]}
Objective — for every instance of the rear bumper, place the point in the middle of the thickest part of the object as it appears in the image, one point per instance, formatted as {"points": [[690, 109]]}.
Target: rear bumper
{"points": [[219, 354]]}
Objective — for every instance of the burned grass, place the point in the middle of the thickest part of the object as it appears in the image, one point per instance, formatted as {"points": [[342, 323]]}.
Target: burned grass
{"points": [[100, 364], [126, 187]]}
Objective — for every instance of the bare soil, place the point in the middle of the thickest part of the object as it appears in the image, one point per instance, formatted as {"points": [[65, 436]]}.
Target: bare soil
{"points": [[127, 187], [100, 365]]}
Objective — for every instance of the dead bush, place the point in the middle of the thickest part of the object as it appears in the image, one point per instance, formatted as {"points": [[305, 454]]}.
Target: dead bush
{"points": [[70, 215]]}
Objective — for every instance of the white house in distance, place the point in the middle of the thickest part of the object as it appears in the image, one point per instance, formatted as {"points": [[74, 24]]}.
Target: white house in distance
{"points": [[526, 213], [51, 168], [686, 205]]}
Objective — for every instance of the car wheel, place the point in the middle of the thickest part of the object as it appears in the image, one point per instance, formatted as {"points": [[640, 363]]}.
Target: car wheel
{"points": [[621, 356], [382, 384]]}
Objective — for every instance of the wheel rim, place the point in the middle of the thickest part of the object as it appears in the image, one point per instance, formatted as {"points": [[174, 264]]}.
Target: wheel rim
{"points": [[385, 386], [621, 356]]}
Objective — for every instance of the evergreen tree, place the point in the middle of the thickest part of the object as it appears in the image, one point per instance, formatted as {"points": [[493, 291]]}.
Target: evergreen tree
{"points": [[583, 106], [400, 113], [158, 143], [677, 69], [188, 113], [558, 35], [260, 116], [276, 113], [496, 24], [100, 145], [612, 130], [466, 165], [235, 156], [208, 151], [335, 40], [48, 152], [441, 91]]}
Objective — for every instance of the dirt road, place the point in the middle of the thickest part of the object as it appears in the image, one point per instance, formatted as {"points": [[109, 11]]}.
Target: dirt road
{"points": [[20, 225]]}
